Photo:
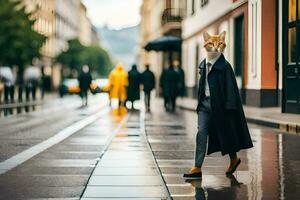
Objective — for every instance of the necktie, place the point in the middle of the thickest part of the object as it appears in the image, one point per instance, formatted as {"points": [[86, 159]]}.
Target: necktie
{"points": [[207, 93], [208, 67]]}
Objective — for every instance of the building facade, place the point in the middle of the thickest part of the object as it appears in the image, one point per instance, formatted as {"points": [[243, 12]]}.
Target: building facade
{"points": [[60, 21], [160, 18], [261, 45], [85, 26], [151, 12], [44, 14], [95, 38], [66, 22]]}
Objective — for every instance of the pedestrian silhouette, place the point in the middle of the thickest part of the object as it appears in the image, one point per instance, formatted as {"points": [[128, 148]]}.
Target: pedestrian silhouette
{"points": [[181, 83], [85, 80], [118, 83], [171, 88], [134, 81], [148, 81], [163, 89]]}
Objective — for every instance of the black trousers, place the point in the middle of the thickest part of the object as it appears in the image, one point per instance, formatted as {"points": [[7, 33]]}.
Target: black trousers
{"points": [[9, 92], [172, 103], [166, 103], [30, 89], [147, 100], [84, 96]]}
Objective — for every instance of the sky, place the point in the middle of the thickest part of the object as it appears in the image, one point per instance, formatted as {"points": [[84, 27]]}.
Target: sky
{"points": [[115, 14]]}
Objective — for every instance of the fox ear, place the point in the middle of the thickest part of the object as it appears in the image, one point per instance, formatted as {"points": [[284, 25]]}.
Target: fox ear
{"points": [[206, 36], [222, 35]]}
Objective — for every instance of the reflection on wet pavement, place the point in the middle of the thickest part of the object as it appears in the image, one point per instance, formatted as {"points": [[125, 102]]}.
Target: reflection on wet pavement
{"points": [[127, 169], [270, 170]]}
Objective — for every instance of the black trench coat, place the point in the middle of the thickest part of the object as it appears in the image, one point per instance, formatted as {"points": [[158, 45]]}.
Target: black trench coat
{"points": [[229, 132], [133, 90]]}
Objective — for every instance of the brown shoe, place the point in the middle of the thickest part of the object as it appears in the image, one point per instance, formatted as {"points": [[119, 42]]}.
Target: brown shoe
{"points": [[195, 173], [233, 166]]}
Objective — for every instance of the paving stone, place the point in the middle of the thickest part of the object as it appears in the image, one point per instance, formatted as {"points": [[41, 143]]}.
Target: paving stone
{"points": [[125, 181], [128, 163], [125, 171], [124, 192]]}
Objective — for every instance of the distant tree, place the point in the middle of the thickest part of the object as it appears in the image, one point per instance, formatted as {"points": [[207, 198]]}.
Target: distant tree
{"points": [[78, 55], [19, 43], [72, 56], [98, 59]]}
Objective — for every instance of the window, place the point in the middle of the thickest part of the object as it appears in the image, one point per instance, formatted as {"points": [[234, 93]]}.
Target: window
{"points": [[292, 10], [204, 3], [193, 6], [292, 45]]}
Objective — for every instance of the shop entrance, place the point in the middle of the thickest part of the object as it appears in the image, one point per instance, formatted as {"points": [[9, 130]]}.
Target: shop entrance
{"points": [[291, 56], [239, 46]]}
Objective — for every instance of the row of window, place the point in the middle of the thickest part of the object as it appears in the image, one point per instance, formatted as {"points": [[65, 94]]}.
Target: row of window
{"points": [[196, 4], [293, 10]]}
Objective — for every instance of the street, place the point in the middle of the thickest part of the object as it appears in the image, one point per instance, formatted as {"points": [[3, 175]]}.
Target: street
{"points": [[68, 152]]}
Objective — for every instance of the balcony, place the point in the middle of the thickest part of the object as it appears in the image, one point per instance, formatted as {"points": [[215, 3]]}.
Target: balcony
{"points": [[171, 15], [171, 21]]}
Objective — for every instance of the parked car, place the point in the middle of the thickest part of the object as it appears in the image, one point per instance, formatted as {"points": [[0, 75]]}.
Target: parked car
{"points": [[71, 86], [98, 84]]}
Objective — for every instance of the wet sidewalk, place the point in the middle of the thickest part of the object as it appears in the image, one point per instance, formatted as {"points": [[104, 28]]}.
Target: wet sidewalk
{"points": [[127, 170], [271, 117], [270, 170], [143, 156]]}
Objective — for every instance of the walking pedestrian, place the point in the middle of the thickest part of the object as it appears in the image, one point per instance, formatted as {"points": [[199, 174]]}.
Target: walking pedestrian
{"points": [[118, 83], [163, 88], [220, 111], [134, 81], [85, 80], [172, 83], [181, 83], [148, 81]]}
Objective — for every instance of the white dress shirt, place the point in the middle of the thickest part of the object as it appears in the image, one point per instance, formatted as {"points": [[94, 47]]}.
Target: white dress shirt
{"points": [[209, 65]]}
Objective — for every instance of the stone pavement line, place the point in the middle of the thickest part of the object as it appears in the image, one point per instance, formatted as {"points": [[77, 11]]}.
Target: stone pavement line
{"points": [[60, 136], [127, 169], [105, 149], [143, 130]]}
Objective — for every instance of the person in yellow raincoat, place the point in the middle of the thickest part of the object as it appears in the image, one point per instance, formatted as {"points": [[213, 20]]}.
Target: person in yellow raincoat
{"points": [[118, 83]]}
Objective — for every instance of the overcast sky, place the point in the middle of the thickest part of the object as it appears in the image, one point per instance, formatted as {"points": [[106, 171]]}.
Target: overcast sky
{"points": [[114, 13]]}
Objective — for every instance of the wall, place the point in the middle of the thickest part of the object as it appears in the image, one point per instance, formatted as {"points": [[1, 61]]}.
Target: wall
{"points": [[85, 27], [223, 23], [210, 12]]}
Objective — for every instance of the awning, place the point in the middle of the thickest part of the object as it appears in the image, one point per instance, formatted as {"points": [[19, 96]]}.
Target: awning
{"points": [[164, 43]]}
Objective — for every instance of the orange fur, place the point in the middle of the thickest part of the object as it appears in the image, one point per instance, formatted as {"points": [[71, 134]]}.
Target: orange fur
{"points": [[214, 43]]}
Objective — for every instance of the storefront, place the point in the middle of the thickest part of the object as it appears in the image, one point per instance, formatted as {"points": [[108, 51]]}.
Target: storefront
{"points": [[291, 56]]}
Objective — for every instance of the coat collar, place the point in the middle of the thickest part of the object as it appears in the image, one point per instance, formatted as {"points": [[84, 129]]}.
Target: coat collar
{"points": [[219, 64]]}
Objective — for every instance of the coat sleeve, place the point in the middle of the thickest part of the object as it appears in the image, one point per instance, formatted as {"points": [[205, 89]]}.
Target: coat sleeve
{"points": [[126, 82], [231, 90], [153, 81], [161, 79]]}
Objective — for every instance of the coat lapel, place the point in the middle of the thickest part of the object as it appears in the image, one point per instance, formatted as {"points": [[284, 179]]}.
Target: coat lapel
{"points": [[220, 63]]}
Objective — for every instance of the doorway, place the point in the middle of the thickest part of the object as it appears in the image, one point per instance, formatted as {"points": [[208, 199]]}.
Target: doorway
{"points": [[239, 50], [291, 57]]}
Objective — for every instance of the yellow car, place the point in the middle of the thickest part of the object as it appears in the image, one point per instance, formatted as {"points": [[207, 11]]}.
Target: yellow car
{"points": [[71, 86]]}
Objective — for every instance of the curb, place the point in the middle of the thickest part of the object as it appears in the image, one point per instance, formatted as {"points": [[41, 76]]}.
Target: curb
{"points": [[287, 127]]}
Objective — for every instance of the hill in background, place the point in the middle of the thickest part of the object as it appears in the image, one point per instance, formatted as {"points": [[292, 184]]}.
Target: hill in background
{"points": [[122, 44]]}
